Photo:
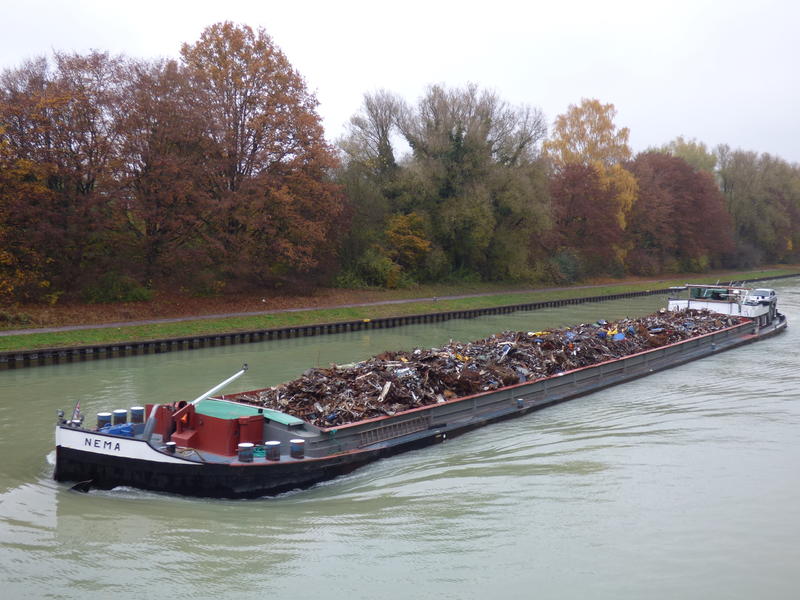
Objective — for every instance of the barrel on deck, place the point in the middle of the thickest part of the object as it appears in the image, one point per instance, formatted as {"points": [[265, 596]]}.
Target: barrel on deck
{"points": [[273, 450], [119, 417], [297, 448], [103, 419], [137, 414], [246, 452]]}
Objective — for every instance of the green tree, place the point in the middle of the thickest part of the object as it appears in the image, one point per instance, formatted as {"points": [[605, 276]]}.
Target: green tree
{"points": [[693, 152], [762, 193], [369, 176], [474, 177], [368, 140]]}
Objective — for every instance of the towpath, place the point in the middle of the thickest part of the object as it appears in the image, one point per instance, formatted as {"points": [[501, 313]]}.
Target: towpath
{"points": [[295, 309]]}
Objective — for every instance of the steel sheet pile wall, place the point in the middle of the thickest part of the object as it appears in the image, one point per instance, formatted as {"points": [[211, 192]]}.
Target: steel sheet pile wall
{"points": [[32, 358]]}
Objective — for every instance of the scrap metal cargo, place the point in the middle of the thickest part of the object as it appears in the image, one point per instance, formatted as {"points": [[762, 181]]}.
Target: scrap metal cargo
{"points": [[396, 381]]}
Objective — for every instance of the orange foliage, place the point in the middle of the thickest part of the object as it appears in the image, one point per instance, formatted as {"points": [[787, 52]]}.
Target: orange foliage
{"points": [[21, 265], [408, 243], [586, 135]]}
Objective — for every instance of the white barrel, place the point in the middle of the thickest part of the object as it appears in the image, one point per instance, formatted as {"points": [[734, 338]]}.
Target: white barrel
{"points": [[103, 419], [246, 452], [297, 448], [272, 450], [137, 414]]}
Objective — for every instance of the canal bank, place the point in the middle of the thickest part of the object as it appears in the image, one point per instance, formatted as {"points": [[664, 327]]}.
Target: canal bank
{"points": [[58, 355]]}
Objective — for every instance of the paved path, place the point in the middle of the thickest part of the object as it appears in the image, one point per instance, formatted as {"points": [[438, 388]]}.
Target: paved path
{"points": [[290, 310], [305, 308]]}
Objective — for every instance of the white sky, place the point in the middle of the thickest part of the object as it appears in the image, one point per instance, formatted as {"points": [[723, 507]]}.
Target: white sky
{"points": [[720, 72]]}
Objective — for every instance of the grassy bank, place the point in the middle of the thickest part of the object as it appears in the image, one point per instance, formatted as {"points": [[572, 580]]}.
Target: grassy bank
{"points": [[82, 337]]}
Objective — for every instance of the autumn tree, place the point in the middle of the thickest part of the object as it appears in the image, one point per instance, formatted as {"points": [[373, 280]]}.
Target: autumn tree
{"points": [[587, 135], [679, 222], [272, 162], [216, 164], [586, 233], [22, 266], [168, 210], [407, 241], [64, 118]]}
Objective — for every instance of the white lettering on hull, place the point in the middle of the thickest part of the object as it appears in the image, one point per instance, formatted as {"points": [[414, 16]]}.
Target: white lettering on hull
{"points": [[104, 444], [77, 439]]}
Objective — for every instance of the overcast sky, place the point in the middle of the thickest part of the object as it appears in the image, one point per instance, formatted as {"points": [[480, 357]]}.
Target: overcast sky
{"points": [[720, 72]]}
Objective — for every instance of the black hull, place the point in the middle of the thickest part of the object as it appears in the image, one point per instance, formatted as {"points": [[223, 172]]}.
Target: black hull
{"points": [[221, 480], [342, 453], [211, 480]]}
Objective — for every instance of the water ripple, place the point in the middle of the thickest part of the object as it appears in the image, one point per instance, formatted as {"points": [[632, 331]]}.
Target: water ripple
{"points": [[679, 485]]}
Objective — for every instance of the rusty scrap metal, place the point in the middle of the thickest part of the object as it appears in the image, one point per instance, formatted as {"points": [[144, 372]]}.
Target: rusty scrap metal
{"points": [[396, 381]]}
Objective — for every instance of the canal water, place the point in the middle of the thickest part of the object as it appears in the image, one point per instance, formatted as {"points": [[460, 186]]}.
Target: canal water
{"points": [[684, 484]]}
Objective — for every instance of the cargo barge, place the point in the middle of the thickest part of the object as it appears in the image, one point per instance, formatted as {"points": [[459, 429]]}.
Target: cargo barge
{"points": [[216, 446]]}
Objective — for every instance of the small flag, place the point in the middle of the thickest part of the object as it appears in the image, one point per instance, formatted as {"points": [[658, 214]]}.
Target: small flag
{"points": [[76, 412]]}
